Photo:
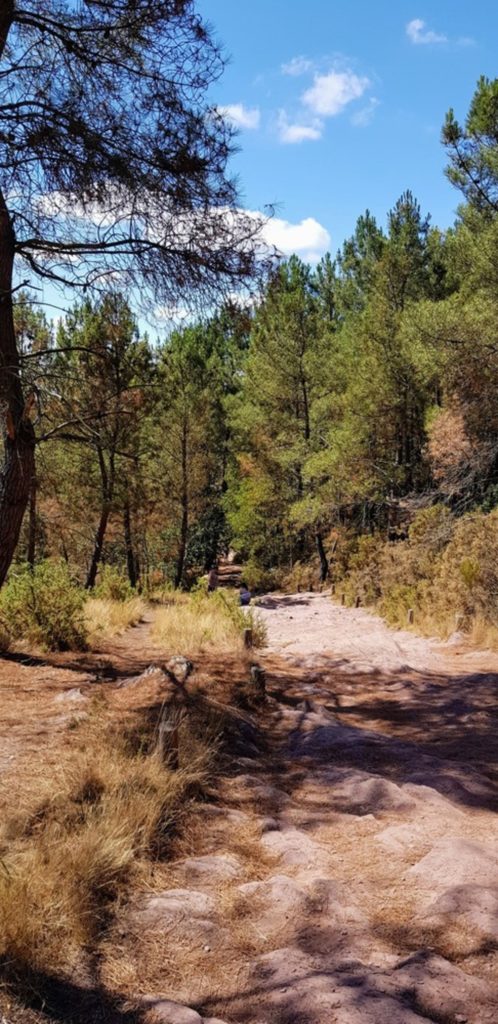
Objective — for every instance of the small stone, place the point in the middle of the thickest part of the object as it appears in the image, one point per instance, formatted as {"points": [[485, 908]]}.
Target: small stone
{"points": [[180, 667], [207, 949]]}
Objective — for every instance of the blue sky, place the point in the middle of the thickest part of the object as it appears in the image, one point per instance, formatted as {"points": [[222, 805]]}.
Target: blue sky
{"points": [[340, 105]]}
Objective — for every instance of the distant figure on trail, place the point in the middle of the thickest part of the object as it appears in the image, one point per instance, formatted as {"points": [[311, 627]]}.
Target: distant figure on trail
{"points": [[212, 579], [244, 595]]}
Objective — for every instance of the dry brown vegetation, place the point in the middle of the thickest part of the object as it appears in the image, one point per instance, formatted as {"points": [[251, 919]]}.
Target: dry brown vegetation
{"points": [[191, 624], [106, 618], [82, 832], [445, 571]]}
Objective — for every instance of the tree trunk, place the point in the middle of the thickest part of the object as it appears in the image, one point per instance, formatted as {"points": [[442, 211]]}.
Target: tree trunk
{"points": [[18, 467], [324, 563], [98, 546], [31, 554], [107, 496], [131, 561], [182, 550]]}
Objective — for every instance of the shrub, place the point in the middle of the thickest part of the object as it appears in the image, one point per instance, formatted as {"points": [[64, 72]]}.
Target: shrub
{"points": [[467, 578], [260, 580], [446, 567], [44, 606], [113, 585]]}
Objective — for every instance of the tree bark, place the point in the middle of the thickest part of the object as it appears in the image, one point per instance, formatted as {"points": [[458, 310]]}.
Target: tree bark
{"points": [[18, 467], [324, 563], [107, 496], [182, 549], [131, 561], [98, 546], [31, 554]]}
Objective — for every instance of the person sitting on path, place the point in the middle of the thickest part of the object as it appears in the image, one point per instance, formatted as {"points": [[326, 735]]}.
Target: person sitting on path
{"points": [[244, 595]]}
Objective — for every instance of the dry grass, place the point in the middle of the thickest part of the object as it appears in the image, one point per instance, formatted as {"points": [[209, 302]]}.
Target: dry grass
{"points": [[484, 635], [105, 618], [192, 624], [82, 835]]}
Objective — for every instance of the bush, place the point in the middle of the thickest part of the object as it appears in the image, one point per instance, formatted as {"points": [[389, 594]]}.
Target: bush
{"points": [[260, 580], [446, 567], [113, 585], [44, 606], [467, 577]]}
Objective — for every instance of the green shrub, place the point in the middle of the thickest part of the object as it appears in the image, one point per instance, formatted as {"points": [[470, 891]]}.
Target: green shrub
{"points": [[44, 606], [260, 580], [113, 585]]}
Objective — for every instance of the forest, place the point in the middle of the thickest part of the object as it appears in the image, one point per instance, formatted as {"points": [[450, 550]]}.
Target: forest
{"points": [[248, 527], [341, 427]]}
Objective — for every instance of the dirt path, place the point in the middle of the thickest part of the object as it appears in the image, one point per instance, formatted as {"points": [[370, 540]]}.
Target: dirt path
{"points": [[350, 874], [346, 870]]}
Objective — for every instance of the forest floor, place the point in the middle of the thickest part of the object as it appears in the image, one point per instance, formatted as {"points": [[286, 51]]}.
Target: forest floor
{"points": [[345, 870]]}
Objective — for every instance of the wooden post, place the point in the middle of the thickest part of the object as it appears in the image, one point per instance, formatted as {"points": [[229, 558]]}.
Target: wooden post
{"points": [[258, 677], [343, 600], [357, 601], [248, 638], [410, 617]]}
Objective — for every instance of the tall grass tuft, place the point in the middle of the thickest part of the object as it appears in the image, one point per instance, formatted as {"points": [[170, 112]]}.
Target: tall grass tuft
{"points": [[191, 624], [67, 855], [105, 617]]}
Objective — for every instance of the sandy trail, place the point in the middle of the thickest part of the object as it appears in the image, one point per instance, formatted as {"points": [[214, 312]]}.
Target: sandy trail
{"points": [[305, 626], [350, 874]]}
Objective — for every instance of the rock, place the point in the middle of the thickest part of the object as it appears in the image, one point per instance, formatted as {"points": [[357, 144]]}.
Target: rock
{"points": [[176, 903], [473, 905], [166, 1011], [399, 838], [294, 847], [153, 673], [181, 668], [351, 791], [360, 795], [74, 696], [457, 862], [438, 984], [213, 868], [295, 986], [276, 904], [185, 916]]}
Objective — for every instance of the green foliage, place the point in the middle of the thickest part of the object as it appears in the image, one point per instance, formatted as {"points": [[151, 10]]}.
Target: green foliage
{"points": [[44, 606], [113, 585], [473, 148]]}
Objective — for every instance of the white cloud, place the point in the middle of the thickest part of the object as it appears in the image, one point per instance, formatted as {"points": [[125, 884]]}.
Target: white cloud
{"points": [[362, 118], [291, 133], [309, 239], [296, 66], [330, 93], [241, 116], [419, 34]]}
